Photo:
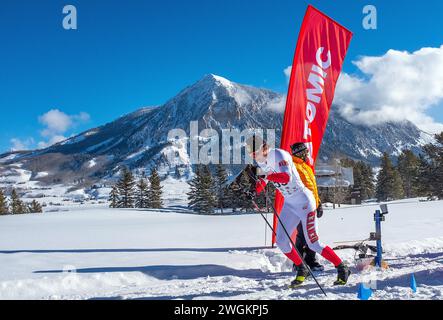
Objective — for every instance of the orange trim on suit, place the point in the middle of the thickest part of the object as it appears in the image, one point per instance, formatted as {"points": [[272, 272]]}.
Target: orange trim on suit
{"points": [[307, 176]]}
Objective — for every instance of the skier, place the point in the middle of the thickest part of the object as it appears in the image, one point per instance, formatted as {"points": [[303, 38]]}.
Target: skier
{"points": [[299, 156], [299, 207]]}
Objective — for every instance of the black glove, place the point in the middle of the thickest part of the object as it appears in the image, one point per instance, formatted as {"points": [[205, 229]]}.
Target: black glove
{"points": [[320, 211]]}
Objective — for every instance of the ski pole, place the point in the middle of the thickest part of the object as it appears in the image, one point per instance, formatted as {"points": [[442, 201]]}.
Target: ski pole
{"points": [[290, 239]]}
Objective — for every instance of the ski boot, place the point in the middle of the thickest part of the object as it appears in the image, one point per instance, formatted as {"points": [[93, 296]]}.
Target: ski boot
{"points": [[343, 275], [302, 274]]}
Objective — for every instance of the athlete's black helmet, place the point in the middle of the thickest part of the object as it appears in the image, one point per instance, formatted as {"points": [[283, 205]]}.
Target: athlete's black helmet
{"points": [[298, 148]]}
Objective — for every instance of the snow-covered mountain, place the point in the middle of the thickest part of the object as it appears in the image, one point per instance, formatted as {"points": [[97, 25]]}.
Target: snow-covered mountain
{"points": [[367, 143], [139, 139]]}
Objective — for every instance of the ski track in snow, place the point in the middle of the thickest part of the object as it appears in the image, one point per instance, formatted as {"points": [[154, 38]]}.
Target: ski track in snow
{"points": [[130, 254]]}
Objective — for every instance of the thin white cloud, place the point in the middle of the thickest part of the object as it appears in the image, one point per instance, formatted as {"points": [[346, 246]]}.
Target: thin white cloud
{"points": [[20, 144], [57, 123], [82, 117], [396, 86]]}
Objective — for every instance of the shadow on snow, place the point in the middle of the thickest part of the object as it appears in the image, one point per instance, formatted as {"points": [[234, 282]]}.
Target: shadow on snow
{"points": [[170, 272], [215, 250], [215, 294]]}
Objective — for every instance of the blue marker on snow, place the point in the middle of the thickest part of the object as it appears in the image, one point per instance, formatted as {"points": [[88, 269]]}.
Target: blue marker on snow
{"points": [[364, 293], [413, 284]]}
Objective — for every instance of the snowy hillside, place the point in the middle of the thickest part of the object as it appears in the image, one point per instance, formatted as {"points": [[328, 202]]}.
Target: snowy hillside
{"points": [[139, 140], [131, 254]]}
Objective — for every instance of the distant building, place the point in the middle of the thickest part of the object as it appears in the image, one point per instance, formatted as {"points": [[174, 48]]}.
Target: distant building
{"points": [[335, 184], [333, 176]]}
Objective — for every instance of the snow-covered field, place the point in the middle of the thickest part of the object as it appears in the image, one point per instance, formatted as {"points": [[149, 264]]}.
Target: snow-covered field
{"points": [[99, 253]]}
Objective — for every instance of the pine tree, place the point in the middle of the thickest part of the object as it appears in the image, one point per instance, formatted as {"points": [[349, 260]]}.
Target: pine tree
{"points": [[17, 206], [35, 207], [3, 204], [241, 192], [113, 197], [233, 191], [15, 202], [142, 197], [367, 181], [425, 173], [194, 194], [431, 169], [222, 191], [389, 183], [247, 187], [408, 168], [208, 194], [125, 187], [363, 177], [201, 196], [155, 191]]}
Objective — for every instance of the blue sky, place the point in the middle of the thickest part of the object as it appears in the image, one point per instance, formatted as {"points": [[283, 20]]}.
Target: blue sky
{"points": [[133, 53]]}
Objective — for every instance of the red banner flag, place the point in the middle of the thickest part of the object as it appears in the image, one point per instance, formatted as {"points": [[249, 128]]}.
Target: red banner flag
{"points": [[319, 56]]}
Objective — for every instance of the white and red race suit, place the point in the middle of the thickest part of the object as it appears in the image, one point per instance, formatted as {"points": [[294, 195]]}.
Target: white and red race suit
{"points": [[299, 206]]}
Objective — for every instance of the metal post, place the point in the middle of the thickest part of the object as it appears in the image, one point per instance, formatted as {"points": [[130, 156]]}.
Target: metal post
{"points": [[378, 220]]}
